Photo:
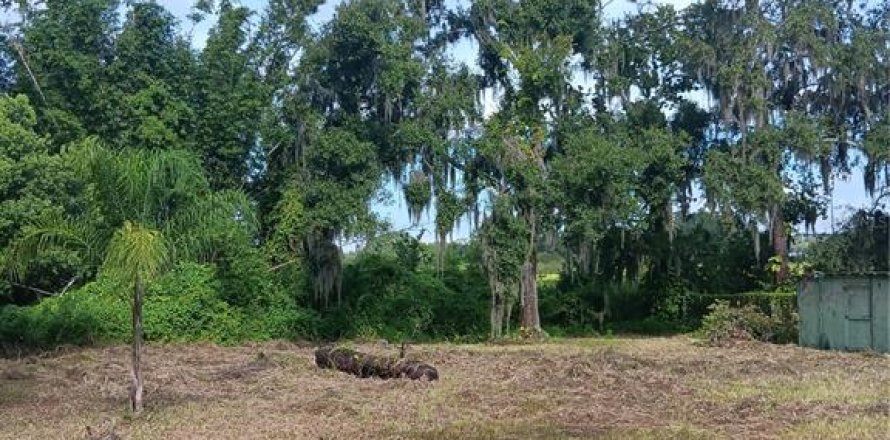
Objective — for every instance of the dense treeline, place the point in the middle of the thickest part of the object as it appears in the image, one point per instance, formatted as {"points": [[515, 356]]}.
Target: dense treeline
{"points": [[668, 152]]}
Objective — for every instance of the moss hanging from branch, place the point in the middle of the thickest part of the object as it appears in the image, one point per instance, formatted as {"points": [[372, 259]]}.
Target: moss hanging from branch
{"points": [[449, 208], [503, 252], [417, 195], [325, 267]]}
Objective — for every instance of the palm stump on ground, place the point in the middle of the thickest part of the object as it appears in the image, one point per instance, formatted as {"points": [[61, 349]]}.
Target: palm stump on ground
{"points": [[367, 365]]}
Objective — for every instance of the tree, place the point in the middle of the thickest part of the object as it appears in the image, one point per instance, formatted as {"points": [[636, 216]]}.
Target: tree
{"points": [[435, 143], [151, 208], [146, 92], [335, 186], [34, 183], [62, 49], [525, 51], [230, 96], [501, 238], [594, 190], [335, 123], [789, 104]]}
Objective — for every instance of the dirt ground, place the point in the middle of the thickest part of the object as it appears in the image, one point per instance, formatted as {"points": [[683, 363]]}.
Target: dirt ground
{"points": [[621, 388]]}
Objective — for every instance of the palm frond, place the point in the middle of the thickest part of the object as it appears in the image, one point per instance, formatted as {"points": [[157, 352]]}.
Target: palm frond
{"points": [[198, 230], [55, 232], [136, 251]]}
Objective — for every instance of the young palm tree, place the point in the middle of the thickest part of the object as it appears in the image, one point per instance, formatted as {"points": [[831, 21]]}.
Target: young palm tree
{"points": [[151, 208]]}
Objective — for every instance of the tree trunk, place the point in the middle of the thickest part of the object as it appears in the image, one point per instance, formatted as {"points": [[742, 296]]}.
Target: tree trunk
{"points": [[531, 321], [497, 314], [755, 237], [442, 254], [508, 312], [780, 245], [136, 366]]}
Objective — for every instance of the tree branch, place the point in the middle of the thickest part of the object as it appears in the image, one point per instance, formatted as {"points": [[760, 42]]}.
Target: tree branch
{"points": [[33, 289], [20, 50]]}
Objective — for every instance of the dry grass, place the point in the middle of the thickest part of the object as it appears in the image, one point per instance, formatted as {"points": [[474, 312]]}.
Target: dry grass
{"points": [[653, 388]]}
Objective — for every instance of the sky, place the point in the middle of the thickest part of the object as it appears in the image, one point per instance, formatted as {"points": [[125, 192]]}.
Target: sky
{"points": [[848, 193]]}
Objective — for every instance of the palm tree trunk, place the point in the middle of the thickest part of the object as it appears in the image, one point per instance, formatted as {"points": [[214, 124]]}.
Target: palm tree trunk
{"points": [[136, 366]]}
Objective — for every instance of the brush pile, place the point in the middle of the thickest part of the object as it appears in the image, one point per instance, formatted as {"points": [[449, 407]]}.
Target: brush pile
{"points": [[367, 365]]}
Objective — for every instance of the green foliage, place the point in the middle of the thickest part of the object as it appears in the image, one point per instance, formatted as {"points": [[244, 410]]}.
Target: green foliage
{"points": [[154, 207], [186, 304], [573, 306], [725, 323], [394, 293], [502, 249], [418, 194], [340, 177], [80, 317], [797, 270], [315, 124], [230, 96], [592, 185], [715, 255], [696, 306], [135, 253], [189, 304], [34, 183], [859, 246]]}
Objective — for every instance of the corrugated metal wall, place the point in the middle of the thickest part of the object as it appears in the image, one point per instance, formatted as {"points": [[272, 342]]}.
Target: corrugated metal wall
{"points": [[845, 312]]}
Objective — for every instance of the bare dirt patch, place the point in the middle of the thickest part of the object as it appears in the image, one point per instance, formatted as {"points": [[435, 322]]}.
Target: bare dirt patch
{"points": [[584, 388]]}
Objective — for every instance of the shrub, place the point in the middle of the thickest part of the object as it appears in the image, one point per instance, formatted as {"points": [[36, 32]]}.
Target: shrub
{"points": [[391, 291], [572, 307], [80, 317], [696, 306], [725, 323], [183, 305], [188, 304]]}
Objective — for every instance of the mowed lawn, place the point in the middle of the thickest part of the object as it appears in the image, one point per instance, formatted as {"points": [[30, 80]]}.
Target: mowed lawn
{"points": [[621, 388]]}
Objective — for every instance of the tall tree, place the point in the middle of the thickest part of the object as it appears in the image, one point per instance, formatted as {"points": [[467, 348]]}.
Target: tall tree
{"points": [[357, 81], [61, 50], [146, 99], [526, 51], [230, 96], [772, 66], [34, 182]]}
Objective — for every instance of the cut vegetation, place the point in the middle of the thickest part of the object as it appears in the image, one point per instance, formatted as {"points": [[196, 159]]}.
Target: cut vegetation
{"points": [[653, 388]]}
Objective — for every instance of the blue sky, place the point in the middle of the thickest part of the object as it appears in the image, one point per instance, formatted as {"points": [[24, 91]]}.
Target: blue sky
{"points": [[849, 192]]}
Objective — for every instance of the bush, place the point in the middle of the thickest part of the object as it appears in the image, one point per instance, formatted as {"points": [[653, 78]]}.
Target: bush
{"points": [[696, 306], [391, 291], [188, 304], [183, 305], [80, 317], [414, 306], [573, 307], [725, 323]]}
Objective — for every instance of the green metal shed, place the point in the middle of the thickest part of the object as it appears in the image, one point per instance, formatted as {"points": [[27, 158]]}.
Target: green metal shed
{"points": [[849, 312]]}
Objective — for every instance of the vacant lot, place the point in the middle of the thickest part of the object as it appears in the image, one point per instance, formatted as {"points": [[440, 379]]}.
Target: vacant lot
{"points": [[584, 388]]}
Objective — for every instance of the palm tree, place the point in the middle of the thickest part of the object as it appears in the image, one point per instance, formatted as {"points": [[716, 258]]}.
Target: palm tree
{"points": [[150, 208]]}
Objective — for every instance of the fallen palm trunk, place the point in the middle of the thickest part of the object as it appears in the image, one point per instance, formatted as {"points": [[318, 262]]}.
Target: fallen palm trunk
{"points": [[367, 365]]}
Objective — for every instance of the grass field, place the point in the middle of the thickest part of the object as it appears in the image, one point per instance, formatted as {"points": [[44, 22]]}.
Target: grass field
{"points": [[647, 388]]}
